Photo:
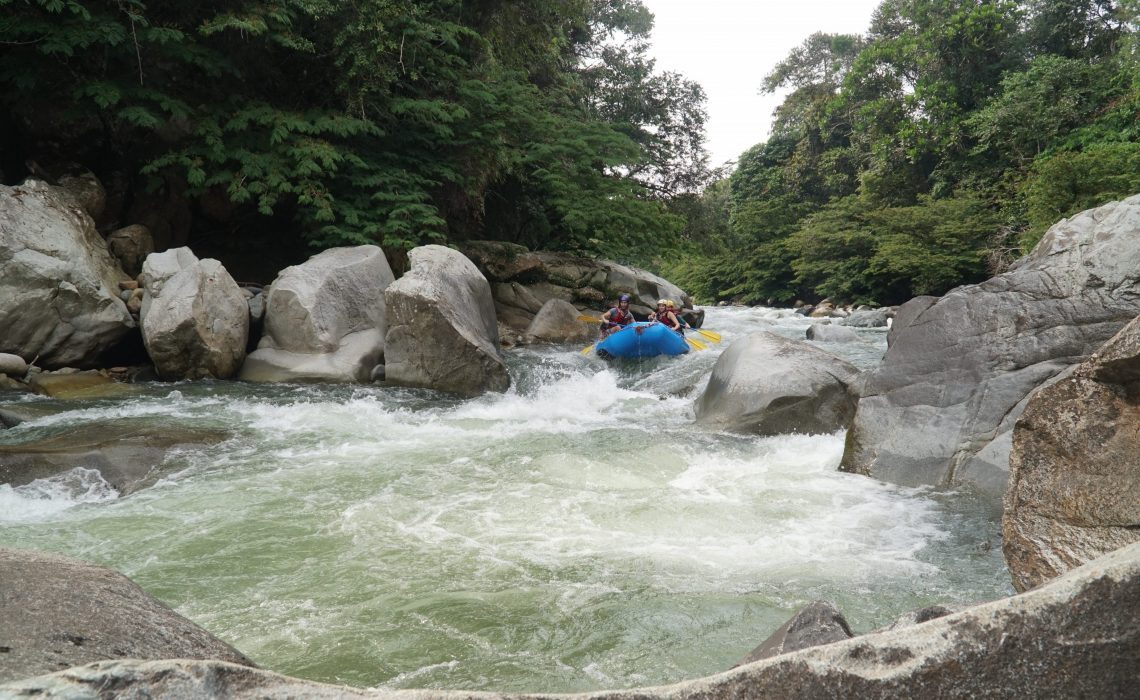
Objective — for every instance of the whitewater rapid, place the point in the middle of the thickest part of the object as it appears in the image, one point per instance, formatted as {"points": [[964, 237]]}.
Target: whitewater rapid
{"points": [[578, 532]]}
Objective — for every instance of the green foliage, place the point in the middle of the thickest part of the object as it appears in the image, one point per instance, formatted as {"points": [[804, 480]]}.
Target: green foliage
{"points": [[386, 121], [1064, 183], [929, 152]]}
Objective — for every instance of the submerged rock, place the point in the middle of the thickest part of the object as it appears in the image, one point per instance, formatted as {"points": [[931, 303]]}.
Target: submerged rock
{"points": [[127, 453]]}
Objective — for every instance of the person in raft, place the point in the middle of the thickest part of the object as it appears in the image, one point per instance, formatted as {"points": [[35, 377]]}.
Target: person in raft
{"points": [[665, 315], [680, 319], [617, 317]]}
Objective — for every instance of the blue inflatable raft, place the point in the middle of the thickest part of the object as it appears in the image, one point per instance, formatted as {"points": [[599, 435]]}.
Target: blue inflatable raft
{"points": [[642, 339]]}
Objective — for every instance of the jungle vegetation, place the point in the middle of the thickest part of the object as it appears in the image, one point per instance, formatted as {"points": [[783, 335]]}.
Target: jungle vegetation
{"points": [[926, 153]]}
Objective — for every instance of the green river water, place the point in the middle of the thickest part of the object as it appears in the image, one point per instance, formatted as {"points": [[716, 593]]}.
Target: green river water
{"points": [[576, 533]]}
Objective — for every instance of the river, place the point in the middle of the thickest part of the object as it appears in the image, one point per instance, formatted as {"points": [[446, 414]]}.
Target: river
{"points": [[576, 533]]}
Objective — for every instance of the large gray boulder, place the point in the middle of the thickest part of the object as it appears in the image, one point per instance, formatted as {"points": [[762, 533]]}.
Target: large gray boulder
{"points": [[941, 407], [522, 281], [195, 320], [557, 322], [770, 385], [60, 612], [442, 332], [1074, 490], [1077, 637], [325, 319], [59, 286]]}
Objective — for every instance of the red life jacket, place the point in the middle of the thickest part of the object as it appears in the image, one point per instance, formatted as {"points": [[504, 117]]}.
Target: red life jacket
{"points": [[621, 318], [664, 318]]}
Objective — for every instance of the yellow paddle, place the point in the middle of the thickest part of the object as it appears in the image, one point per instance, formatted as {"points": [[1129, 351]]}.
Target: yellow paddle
{"points": [[696, 344]]}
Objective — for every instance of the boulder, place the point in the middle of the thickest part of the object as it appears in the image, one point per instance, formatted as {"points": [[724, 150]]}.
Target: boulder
{"points": [[1078, 637], [127, 453], [522, 281], [131, 245], [941, 406], [504, 262], [767, 384], [557, 322], [195, 322], [442, 332], [60, 612], [72, 385], [869, 318], [12, 365], [325, 319], [59, 285], [86, 191], [1074, 490], [827, 333], [815, 624]]}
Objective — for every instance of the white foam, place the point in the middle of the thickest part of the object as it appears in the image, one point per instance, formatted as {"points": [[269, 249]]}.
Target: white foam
{"points": [[44, 498]]}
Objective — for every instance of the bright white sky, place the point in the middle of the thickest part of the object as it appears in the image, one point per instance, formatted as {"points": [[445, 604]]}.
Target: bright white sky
{"points": [[728, 46]]}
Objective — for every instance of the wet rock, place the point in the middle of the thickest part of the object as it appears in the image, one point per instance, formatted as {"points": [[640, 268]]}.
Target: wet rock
{"points": [[815, 624], [73, 385], [60, 612], [869, 318], [126, 453]]}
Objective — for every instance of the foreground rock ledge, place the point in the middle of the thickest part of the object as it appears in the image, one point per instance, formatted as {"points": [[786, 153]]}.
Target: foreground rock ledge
{"points": [[1079, 636]]}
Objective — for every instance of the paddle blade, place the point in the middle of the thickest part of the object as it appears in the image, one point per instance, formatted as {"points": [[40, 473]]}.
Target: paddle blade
{"points": [[589, 319], [709, 335], [587, 349], [696, 344]]}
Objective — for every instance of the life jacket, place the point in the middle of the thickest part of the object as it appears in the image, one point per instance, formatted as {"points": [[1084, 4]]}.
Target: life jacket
{"points": [[622, 318], [663, 318]]}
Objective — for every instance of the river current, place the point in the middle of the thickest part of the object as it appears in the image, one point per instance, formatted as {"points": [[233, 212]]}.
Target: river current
{"points": [[576, 533]]}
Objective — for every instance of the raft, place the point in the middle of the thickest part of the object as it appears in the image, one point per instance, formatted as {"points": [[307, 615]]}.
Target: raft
{"points": [[653, 339]]}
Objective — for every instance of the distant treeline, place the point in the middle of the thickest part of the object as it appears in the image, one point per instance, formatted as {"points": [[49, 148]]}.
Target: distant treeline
{"points": [[928, 153]]}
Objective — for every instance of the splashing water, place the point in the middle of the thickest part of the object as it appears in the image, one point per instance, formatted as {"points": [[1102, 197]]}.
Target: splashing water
{"points": [[576, 533]]}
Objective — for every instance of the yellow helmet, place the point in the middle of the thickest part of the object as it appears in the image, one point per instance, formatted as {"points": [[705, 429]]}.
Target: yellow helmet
{"points": [[670, 304]]}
